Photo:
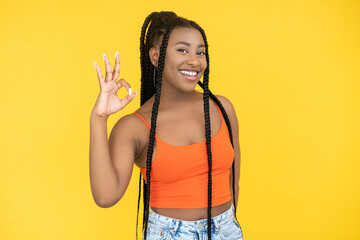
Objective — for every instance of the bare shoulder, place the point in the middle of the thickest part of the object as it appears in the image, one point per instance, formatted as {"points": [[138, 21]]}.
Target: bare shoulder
{"points": [[125, 122], [121, 130], [130, 132], [228, 106], [230, 111], [132, 123]]}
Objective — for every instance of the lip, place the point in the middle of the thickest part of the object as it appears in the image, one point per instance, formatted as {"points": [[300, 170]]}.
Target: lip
{"points": [[187, 77], [189, 69]]}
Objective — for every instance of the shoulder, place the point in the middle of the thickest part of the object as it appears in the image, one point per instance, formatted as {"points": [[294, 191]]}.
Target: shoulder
{"points": [[228, 106], [126, 127], [126, 122], [230, 112], [132, 122], [129, 131]]}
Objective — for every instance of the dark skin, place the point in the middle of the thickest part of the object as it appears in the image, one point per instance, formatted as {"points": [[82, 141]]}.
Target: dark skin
{"points": [[129, 138]]}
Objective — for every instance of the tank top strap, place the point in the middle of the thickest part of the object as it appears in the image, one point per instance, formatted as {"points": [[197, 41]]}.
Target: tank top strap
{"points": [[142, 119]]}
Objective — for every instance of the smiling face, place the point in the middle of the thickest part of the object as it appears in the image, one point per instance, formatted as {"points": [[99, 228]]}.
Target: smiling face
{"points": [[185, 60]]}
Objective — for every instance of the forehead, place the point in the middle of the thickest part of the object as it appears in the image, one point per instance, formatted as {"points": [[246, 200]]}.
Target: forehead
{"points": [[184, 34]]}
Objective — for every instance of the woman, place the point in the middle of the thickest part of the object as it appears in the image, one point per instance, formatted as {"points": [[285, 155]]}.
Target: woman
{"points": [[188, 181]]}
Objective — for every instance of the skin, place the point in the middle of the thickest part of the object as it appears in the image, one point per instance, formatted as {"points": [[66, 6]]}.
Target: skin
{"points": [[111, 162]]}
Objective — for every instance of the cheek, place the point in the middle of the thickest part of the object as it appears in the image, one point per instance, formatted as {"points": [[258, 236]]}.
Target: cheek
{"points": [[168, 71], [204, 65], [171, 67]]}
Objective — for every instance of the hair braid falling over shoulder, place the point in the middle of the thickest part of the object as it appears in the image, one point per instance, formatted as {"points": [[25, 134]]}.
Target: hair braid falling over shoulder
{"points": [[153, 123], [207, 129], [147, 87], [143, 65], [216, 100], [205, 87]]}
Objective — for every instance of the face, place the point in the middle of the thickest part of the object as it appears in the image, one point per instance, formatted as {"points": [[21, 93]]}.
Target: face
{"points": [[185, 60]]}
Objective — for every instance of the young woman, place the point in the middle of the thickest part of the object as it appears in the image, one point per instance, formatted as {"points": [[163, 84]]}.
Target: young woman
{"points": [[190, 165]]}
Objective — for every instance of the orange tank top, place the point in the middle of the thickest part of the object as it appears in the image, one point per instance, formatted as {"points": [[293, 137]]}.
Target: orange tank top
{"points": [[179, 174]]}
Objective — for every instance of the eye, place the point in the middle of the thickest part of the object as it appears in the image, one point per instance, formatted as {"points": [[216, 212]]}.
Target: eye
{"points": [[201, 53], [181, 50]]}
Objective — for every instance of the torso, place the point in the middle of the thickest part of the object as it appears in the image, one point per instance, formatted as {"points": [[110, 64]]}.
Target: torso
{"points": [[178, 125]]}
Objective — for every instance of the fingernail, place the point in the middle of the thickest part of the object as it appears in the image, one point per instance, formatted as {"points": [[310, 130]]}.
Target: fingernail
{"points": [[104, 56], [130, 91], [116, 54], [95, 64], [135, 94]]}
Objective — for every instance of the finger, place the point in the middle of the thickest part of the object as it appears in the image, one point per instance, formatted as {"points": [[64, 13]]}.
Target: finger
{"points": [[133, 96], [108, 76], [131, 93], [116, 71], [99, 73], [123, 83], [128, 99]]}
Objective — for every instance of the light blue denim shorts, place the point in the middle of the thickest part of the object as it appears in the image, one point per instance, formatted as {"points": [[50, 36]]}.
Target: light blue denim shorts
{"points": [[223, 227]]}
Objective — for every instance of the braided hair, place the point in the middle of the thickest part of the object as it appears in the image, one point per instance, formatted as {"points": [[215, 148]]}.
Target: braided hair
{"points": [[155, 26]]}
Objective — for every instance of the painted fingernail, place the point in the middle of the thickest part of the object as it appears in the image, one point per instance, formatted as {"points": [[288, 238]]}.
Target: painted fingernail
{"points": [[104, 56], [130, 91], [116, 54], [95, 64]]}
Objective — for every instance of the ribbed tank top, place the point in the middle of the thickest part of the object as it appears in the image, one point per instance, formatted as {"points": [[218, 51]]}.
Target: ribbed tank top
{"points": [[179, 174]]}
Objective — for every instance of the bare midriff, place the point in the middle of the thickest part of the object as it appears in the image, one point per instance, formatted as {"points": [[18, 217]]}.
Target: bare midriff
{"points": [[194, 213]]}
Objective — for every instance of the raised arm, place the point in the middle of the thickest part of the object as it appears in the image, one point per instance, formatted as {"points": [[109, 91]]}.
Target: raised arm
{"points": [[110, 170]]}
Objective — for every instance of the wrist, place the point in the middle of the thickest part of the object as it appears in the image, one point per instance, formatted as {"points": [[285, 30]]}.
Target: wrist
{"points": [[97, 117]]}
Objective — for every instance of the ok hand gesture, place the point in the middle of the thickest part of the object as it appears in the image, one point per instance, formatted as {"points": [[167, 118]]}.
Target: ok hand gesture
{"points": [[108, 101]]}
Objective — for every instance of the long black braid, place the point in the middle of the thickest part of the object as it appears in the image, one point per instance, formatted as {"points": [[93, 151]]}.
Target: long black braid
{"points": [[161, 24], [207, 129], [147, 91], [213, 97], [144, 94]]}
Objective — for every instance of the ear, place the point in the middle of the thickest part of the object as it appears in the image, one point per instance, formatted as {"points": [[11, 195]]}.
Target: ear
{"points": [[154, 53]]}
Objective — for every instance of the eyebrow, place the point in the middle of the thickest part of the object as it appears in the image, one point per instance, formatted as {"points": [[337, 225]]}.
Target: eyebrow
{"points": [[188, 44]]}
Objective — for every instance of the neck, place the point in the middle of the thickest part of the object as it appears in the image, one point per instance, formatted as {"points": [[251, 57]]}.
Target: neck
{"points": [[174, 97]]}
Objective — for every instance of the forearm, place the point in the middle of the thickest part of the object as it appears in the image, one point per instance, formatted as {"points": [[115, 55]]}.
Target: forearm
{"points": [[103, 176], [236, 194]]}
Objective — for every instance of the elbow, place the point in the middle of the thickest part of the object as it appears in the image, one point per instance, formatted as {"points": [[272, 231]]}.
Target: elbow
{"points": [[106, 200], [104, 203]]}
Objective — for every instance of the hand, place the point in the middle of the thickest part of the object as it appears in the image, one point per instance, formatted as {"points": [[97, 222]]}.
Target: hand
{"points": [[108, 101]]}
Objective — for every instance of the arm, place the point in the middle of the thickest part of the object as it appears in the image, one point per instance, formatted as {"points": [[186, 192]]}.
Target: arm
{"points": [[229, 108], [110, 162]]}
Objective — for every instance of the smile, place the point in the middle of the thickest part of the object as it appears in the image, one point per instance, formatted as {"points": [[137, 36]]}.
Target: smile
{"points": [[190, 75]]}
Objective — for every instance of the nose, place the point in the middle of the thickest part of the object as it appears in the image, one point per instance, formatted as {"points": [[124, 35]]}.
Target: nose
{"points": [[193, 60]]}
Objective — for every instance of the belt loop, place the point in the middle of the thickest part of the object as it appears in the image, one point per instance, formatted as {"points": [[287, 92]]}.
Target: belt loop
{"points": [[174, 230], [216, 224], [200, 225]]}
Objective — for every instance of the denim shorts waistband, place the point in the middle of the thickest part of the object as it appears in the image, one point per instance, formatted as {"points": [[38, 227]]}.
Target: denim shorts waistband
{"points": [[173, 223]]}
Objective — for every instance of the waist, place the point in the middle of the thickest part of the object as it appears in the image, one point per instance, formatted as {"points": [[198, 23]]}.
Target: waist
{"points": [[194, 214], [186, 225]]}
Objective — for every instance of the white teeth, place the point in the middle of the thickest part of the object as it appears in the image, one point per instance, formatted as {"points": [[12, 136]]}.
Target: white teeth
{"points": [[188, 73]]}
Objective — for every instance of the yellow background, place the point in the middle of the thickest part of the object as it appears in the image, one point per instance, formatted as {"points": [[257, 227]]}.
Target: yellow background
{"points": [[291, 68]]}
